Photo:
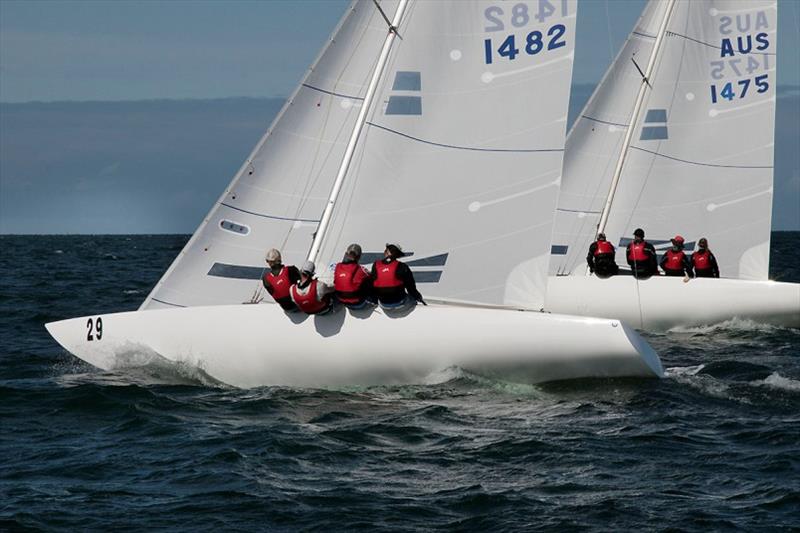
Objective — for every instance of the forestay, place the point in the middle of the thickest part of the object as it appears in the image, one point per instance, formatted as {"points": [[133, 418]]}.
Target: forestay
{"points": [[459, 162], [700, 160], [277, 197], [461, 158]]}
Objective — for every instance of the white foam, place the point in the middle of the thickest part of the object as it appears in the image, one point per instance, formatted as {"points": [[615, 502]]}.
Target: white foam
{"points": [[777, 381], [733, 324], [676, 371], [443, 376], [708, 385]]}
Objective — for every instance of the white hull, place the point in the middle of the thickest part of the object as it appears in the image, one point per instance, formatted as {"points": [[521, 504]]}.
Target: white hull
{"points": [[661, 303], [257, 345]]}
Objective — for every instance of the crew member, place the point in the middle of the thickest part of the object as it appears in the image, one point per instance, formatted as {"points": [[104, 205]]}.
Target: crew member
{"points": [[311, 295], [279, 279], [601, 257], [675, 262], [704, 262], [352, 282], [393, 281], [641, 256]]}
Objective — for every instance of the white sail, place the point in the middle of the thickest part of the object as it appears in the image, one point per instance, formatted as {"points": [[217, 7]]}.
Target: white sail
{"points": [[277, 197], [700, 161], [459, 162], [461, 157]]}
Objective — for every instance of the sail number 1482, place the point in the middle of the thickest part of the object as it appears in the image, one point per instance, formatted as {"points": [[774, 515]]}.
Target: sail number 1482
{"points": [[509, 46], [535, 42]]}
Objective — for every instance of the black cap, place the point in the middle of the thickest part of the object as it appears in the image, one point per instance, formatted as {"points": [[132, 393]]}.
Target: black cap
{"points": [[601, 236], [394, 250], [638, 233]]}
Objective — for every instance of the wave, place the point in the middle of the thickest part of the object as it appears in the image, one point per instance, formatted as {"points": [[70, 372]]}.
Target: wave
{"points": [[737, 325], [703, 383], [777, 381], [774, 390]]}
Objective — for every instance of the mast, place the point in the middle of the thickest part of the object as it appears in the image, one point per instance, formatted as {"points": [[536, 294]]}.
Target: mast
{"points": [[637, 108], [324, 222]]}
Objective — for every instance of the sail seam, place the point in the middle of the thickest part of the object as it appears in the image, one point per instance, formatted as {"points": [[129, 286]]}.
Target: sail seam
{"points": [[167, 303], [332, 93], [268, 216], [604, 121], [697, 162], [640, 34], [588, 212], [472, 148]]}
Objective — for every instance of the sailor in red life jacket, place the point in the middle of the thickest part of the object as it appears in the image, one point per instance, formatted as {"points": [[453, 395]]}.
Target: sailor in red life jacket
{"points": [[311, 296], [601, 257], [279, 278], [641, 256], [675, 262], [392, 280], [352, 282], [704, 262]]}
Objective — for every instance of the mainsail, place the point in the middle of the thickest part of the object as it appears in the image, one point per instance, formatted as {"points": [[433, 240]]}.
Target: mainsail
{"points": [[700, 160], [459, 161]]}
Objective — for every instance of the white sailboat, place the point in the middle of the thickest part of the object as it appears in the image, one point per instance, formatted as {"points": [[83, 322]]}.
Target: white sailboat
{"points": [[439, 125], [678, 138]]}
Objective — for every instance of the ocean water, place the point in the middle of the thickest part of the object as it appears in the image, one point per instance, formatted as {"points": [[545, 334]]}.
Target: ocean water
{"points": [[714, 446]]}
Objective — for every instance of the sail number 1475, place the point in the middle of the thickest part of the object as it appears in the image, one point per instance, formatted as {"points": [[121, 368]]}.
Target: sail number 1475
{"points": [[730, 91]]}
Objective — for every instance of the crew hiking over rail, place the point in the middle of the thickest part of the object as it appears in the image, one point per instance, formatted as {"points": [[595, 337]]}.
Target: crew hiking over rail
{"points": [[643, 259]]}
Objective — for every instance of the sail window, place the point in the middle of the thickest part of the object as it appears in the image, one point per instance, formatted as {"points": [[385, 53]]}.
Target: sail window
{"points": [[658, 131], [234, 227], [652, 133], [656, 115], [407, 81], [404, 105], [222, 270]]}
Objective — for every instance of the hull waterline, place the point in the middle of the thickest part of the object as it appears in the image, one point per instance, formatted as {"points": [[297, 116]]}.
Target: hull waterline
{"points": [[661, 303], [258, 345]]}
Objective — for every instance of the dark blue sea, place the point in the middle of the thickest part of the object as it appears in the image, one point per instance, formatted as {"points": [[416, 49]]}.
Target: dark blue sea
{"points": [[713, 447]]}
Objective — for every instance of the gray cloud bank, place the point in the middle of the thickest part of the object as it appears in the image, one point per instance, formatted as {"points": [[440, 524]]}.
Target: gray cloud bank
{"points": [[157, 166]]}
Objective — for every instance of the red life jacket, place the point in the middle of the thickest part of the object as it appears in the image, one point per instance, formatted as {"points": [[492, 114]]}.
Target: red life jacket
{"points": [[308, 302], [674, 260], [603, 247], [281, 284], [347, 280], [386, 275], [701, 260], [637, 252]]}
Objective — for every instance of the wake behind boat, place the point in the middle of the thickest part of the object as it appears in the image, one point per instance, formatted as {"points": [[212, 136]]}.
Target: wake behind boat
{"points": [[432, 140]]}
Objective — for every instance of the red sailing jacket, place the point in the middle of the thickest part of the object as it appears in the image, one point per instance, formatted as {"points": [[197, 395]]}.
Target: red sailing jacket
{"points": [[673, 261], [701, 260], [603, 247], [281, 284], [386, 275], [308, 302], [638, 253], [347, 280]]}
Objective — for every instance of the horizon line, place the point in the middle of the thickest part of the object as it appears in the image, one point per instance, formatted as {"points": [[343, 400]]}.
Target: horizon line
{"points": [[780, 87]]}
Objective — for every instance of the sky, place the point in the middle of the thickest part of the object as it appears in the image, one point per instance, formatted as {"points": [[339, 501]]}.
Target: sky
{"points": [[123, 50], [72, 161]]}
